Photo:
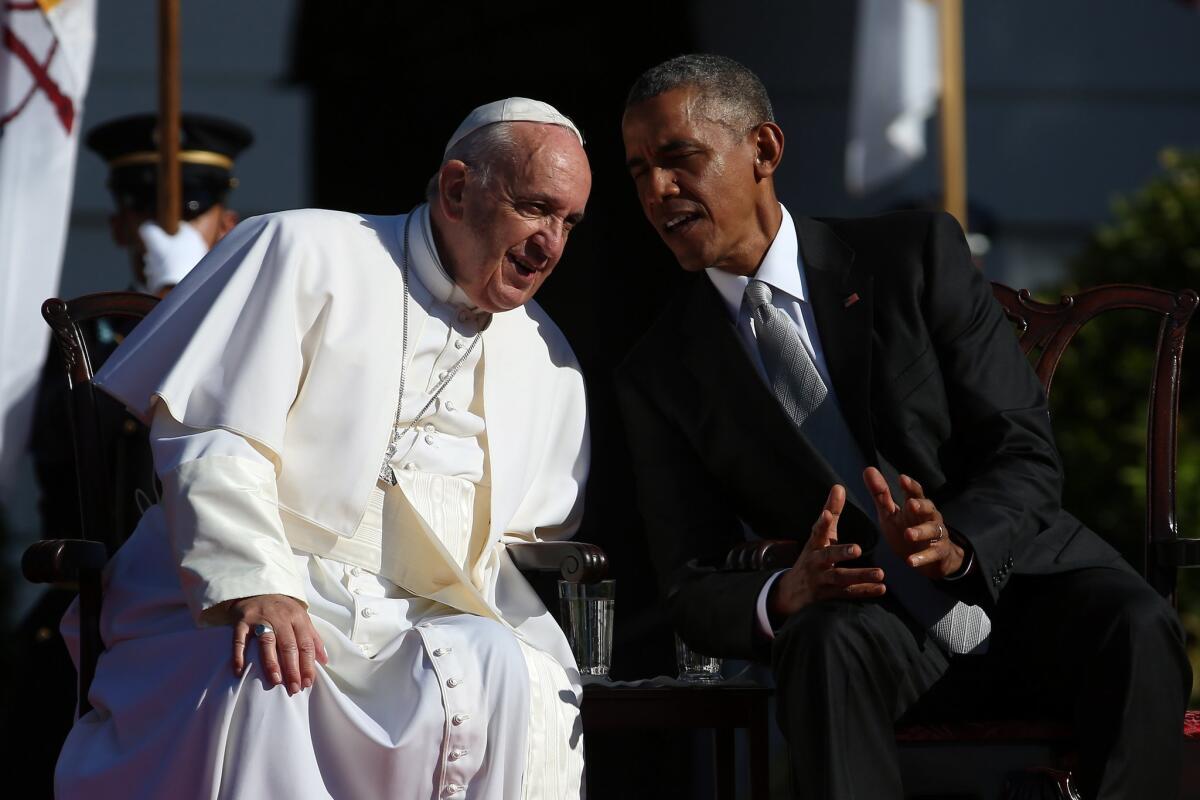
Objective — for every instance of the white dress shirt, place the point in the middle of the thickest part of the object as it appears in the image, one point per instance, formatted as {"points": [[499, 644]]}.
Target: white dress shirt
{"points": [[782, 269]]}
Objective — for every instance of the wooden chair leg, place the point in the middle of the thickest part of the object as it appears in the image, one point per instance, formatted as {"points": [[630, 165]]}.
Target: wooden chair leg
{"points": [[723, 763], [760, 762], [90, 644]]}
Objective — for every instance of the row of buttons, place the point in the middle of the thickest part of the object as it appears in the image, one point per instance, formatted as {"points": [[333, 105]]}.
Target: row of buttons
{"points": [[456, 720], [1001, 573]]}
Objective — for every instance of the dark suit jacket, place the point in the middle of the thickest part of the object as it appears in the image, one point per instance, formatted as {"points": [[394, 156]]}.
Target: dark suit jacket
{"points": [[931, 383]]}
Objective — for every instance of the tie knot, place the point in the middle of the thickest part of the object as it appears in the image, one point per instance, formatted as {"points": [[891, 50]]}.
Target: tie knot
{"points": [[758, 293]]}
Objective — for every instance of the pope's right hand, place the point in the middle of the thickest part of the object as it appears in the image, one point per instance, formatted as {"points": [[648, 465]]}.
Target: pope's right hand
{"points": [[816, 574], [289, 650]]}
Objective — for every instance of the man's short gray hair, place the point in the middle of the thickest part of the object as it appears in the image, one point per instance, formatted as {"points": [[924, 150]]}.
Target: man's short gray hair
{"points": [[490, 148], [731, 94]]}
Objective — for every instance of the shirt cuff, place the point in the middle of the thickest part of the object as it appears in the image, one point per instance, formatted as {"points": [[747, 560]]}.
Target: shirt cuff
{"points": [[762, 617], [965, 569]]}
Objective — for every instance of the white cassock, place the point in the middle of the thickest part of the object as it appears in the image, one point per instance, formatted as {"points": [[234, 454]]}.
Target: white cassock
{"points": [[271, 376]]}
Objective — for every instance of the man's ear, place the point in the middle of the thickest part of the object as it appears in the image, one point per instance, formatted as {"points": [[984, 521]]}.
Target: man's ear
{"points": [[768, 149], [452, 187]]}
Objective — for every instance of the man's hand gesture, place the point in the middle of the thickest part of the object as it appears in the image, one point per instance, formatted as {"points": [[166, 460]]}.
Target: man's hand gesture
{"points": [[816, 576], [915, 530]]}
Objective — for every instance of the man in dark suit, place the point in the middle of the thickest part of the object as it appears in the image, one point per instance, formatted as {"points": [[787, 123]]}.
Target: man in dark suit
{"points": [[856, 376]]}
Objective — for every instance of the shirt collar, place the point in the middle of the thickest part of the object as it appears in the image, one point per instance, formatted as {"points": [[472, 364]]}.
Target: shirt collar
{"points": [[782, 269], [426, 264]]}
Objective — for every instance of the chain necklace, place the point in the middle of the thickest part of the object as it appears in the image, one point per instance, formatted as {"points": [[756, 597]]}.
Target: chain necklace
{"points": [[386, 473]]}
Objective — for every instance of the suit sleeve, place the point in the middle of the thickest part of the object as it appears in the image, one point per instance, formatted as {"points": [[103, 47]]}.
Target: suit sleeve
{"points": [[1011, 487], [690, 528]]}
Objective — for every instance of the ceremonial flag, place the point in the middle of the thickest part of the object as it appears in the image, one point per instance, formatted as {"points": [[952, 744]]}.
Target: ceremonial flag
{"points": [[895, 88], [45, 61]]}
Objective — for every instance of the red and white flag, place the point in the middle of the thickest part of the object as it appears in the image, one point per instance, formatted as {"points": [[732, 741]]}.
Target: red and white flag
{"points": [[895, 88], [45, 62]]}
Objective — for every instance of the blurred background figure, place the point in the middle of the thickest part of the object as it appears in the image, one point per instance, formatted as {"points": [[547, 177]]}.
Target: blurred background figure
{"points": [[208, 147], [40, 695]]}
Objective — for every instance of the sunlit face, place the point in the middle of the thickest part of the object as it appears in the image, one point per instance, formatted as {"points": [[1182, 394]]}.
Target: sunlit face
{"points": [[514, 228], [696, 181]]}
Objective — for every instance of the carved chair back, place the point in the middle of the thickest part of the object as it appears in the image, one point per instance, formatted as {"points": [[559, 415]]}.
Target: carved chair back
{"points": [[1045, 330], [81, 561]]}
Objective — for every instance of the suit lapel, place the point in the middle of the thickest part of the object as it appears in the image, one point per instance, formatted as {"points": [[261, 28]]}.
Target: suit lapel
{"points": [[841, 298], [717, 357]]}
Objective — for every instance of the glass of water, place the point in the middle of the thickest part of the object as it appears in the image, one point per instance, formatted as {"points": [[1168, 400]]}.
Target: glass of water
{"points": [[587, 620], [696, 667]]}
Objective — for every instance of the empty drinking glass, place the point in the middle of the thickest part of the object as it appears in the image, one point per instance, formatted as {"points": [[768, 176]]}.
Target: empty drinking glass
{"points": [[587, 620], [696, 667]]}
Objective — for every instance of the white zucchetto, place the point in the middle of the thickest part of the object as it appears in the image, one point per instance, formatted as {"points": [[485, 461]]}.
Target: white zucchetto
{"points": [[512, 109]]}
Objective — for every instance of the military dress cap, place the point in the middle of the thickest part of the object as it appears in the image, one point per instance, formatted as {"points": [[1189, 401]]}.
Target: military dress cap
{"points": [[207, 149]]}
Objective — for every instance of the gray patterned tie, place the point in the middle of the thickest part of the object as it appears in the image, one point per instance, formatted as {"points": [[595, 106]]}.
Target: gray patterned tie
{"points": [[796, 384], [793, 376]]}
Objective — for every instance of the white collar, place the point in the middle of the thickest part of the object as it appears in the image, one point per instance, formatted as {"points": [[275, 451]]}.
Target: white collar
{"points": [[424, 260], [782, 269]]}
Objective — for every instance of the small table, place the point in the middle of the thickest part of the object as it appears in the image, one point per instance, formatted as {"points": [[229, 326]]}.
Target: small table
{"points": [[665, 703]]}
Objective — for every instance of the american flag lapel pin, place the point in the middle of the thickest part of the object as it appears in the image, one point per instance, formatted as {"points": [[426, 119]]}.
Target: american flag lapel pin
{"points": [[851, 300]]}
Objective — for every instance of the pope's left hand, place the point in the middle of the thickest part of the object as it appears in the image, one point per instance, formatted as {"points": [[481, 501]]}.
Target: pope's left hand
{"points": [[915, 530]]}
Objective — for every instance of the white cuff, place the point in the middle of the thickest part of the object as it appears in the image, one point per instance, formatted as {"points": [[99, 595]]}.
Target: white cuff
{"points": [[761, 615], [964, 569]]}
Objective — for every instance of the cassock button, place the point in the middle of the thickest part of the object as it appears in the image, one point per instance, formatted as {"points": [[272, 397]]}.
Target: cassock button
{"points": [[453, 682], [441, 651], [443, 375], [429, 428], [459, 344], [355, 571], [428, 440], [368, 612], [459, 719], [410, 466], [449, 406], [453, 788], [458, 753]]}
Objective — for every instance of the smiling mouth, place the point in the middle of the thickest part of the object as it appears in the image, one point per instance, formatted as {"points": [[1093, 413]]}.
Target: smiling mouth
{"points": [[521, 267], [680, 223]]}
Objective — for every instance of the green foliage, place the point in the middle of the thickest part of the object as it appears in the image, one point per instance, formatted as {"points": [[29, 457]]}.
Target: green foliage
{"points": [[1100, 392]]}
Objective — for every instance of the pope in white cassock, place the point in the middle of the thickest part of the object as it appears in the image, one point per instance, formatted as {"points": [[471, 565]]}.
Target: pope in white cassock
{"points": [[350, 416]]}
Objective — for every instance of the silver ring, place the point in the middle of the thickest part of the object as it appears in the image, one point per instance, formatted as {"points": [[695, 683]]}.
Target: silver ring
{"points": [[941, 532], [262, 629]]}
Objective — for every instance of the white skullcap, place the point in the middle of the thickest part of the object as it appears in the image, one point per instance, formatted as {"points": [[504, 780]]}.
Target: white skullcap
{"points": [[513, 109]]}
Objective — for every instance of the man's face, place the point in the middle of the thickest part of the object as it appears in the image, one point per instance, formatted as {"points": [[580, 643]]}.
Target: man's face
{"points": [[695, 179], [515, 227]]}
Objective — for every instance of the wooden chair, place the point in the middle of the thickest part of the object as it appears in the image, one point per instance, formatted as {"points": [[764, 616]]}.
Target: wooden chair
{"points": [[79, 561], [1044, 331]]}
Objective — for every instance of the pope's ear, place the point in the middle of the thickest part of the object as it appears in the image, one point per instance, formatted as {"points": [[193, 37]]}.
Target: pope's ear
{"points": [[452, 187], [768, 149]]}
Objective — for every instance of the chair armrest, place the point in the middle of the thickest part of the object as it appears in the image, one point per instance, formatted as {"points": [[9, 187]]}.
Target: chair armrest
{"points": [[763, 554], [61, 560], [577, 562]]}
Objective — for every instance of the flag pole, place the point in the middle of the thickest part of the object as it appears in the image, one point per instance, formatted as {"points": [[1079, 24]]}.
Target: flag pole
{"points": [[170, 194], [953, 116]]}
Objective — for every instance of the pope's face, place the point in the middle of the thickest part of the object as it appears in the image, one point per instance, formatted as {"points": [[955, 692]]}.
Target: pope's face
{"points": [[517, 225], [695, 180]]}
